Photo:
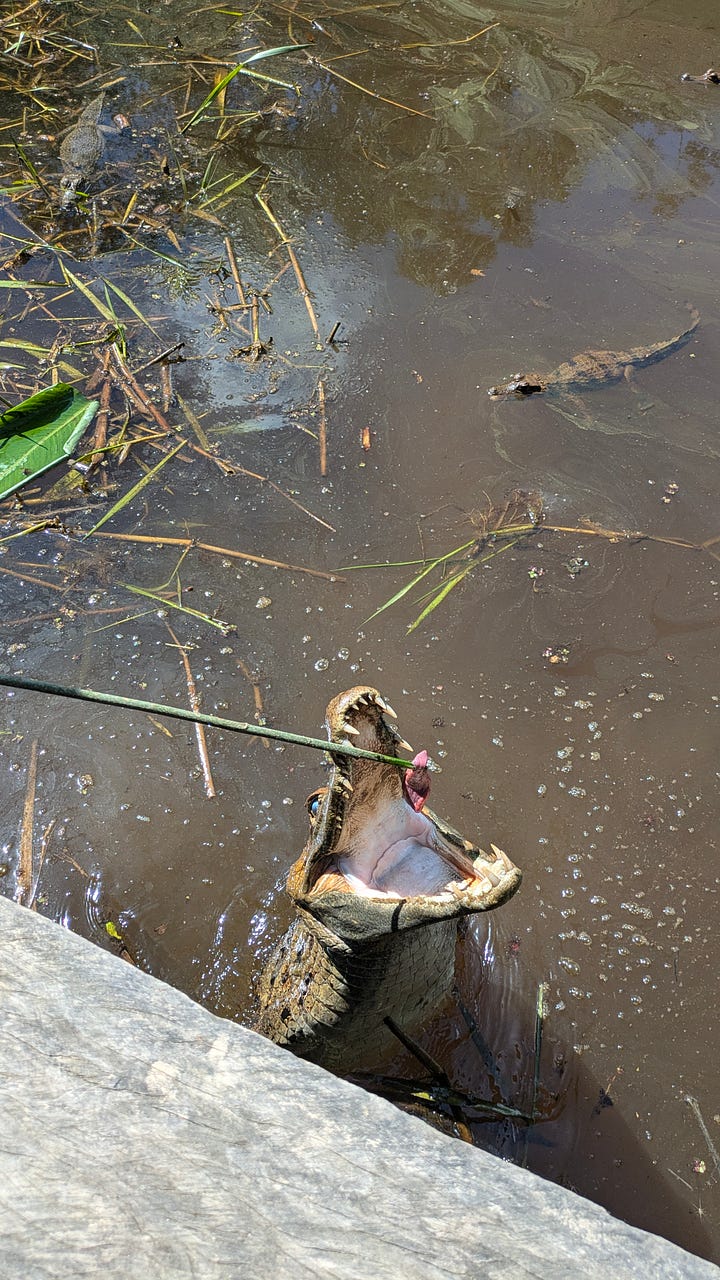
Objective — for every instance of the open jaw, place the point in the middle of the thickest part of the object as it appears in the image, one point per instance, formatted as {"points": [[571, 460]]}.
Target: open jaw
{"points": [[371, 835]]}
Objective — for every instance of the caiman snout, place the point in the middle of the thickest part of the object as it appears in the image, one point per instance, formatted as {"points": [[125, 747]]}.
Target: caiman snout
{"points": [[379, 888]]}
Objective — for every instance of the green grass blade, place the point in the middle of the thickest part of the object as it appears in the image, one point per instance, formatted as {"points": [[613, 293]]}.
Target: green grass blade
{"points": [[136, 489], [272, 53], [225, 627], [32, 284], [444, 591], [230, 187], [403, 591], [418, 578], [222, 84], [131, 306], [210, 98], [456, 579], [22, 344], [401, 564], [76, 283]]}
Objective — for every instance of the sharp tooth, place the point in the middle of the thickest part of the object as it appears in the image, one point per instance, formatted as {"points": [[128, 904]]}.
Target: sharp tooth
{"points": [[386, 707], [362, 701], [502, 857], [405, 745], [350, 728], [347, 785]]}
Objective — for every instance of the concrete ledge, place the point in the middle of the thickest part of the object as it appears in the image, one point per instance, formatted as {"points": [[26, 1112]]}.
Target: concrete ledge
{"points": [[144, 1137]]}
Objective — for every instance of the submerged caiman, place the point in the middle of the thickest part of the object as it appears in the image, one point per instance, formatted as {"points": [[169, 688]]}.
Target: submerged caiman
{"points": [[591, 369], [82, 149], [379, 888]]}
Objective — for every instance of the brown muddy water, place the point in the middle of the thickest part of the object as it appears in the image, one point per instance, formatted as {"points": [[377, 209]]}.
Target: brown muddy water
{"points": [[476, 202]]}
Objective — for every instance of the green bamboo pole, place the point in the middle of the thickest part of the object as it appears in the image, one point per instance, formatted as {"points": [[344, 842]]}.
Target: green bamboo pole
{"points": [[197, 717]]}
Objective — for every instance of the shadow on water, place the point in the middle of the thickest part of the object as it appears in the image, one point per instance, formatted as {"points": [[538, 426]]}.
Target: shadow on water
{"points": [[353, 249]]}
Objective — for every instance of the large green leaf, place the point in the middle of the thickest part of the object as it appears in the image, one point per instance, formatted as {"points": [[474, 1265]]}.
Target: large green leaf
{"points": [[38, 433]]}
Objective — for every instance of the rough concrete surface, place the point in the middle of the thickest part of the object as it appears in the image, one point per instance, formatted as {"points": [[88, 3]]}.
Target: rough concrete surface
{"points": [[144, 1137]]}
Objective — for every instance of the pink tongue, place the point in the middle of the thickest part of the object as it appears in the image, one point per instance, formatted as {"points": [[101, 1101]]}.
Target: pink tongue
{"points": [[417, 781]]}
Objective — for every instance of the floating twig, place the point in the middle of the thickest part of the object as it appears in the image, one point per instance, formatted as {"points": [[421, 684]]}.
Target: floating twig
{"points": [[322, 431], [44, 841], [232, 261], [302, 286], [693, 1103], [210, 791], [257, 696], [390, 102], [219, 551], [429, 1063]]}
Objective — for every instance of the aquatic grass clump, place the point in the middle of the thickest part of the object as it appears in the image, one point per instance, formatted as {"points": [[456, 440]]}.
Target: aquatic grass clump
{"points": [[519, 519]]}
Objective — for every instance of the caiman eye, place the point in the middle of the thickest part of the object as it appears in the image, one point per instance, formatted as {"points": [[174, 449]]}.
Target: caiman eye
{"points": [[313, 802]]}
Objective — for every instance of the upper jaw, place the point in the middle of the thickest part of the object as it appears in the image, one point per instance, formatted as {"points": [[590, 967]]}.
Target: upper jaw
{"points": [[367, 841]]}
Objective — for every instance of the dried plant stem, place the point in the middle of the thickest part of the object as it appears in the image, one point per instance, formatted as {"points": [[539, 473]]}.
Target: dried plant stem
{"points": [[257, 696], [693, 1104], [134, 392], [371, 92], [210, 791], [219, 551], [31, 577], [539, 1024], [322, 433], [302, 286], [99, 439], [234, 271], [25, 867], [145, 406]]}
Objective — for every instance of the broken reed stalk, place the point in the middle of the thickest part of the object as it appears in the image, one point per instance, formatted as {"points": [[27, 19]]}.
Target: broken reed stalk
{"points": [[302, 286], [44, 842], [539, 1024], [197, 717], [144, 405], [257, 696], [371, 92], [232, 260], [322, 431], [99, 439], [25, 866], [210, 791], [160, 541]]}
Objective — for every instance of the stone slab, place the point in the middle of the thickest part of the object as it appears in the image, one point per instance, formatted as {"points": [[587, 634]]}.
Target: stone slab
{"points": [[144, 1137]]}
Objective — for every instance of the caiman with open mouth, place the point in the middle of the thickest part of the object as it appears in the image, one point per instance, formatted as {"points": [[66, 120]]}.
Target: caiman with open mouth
{"points": [[379, 888]]}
